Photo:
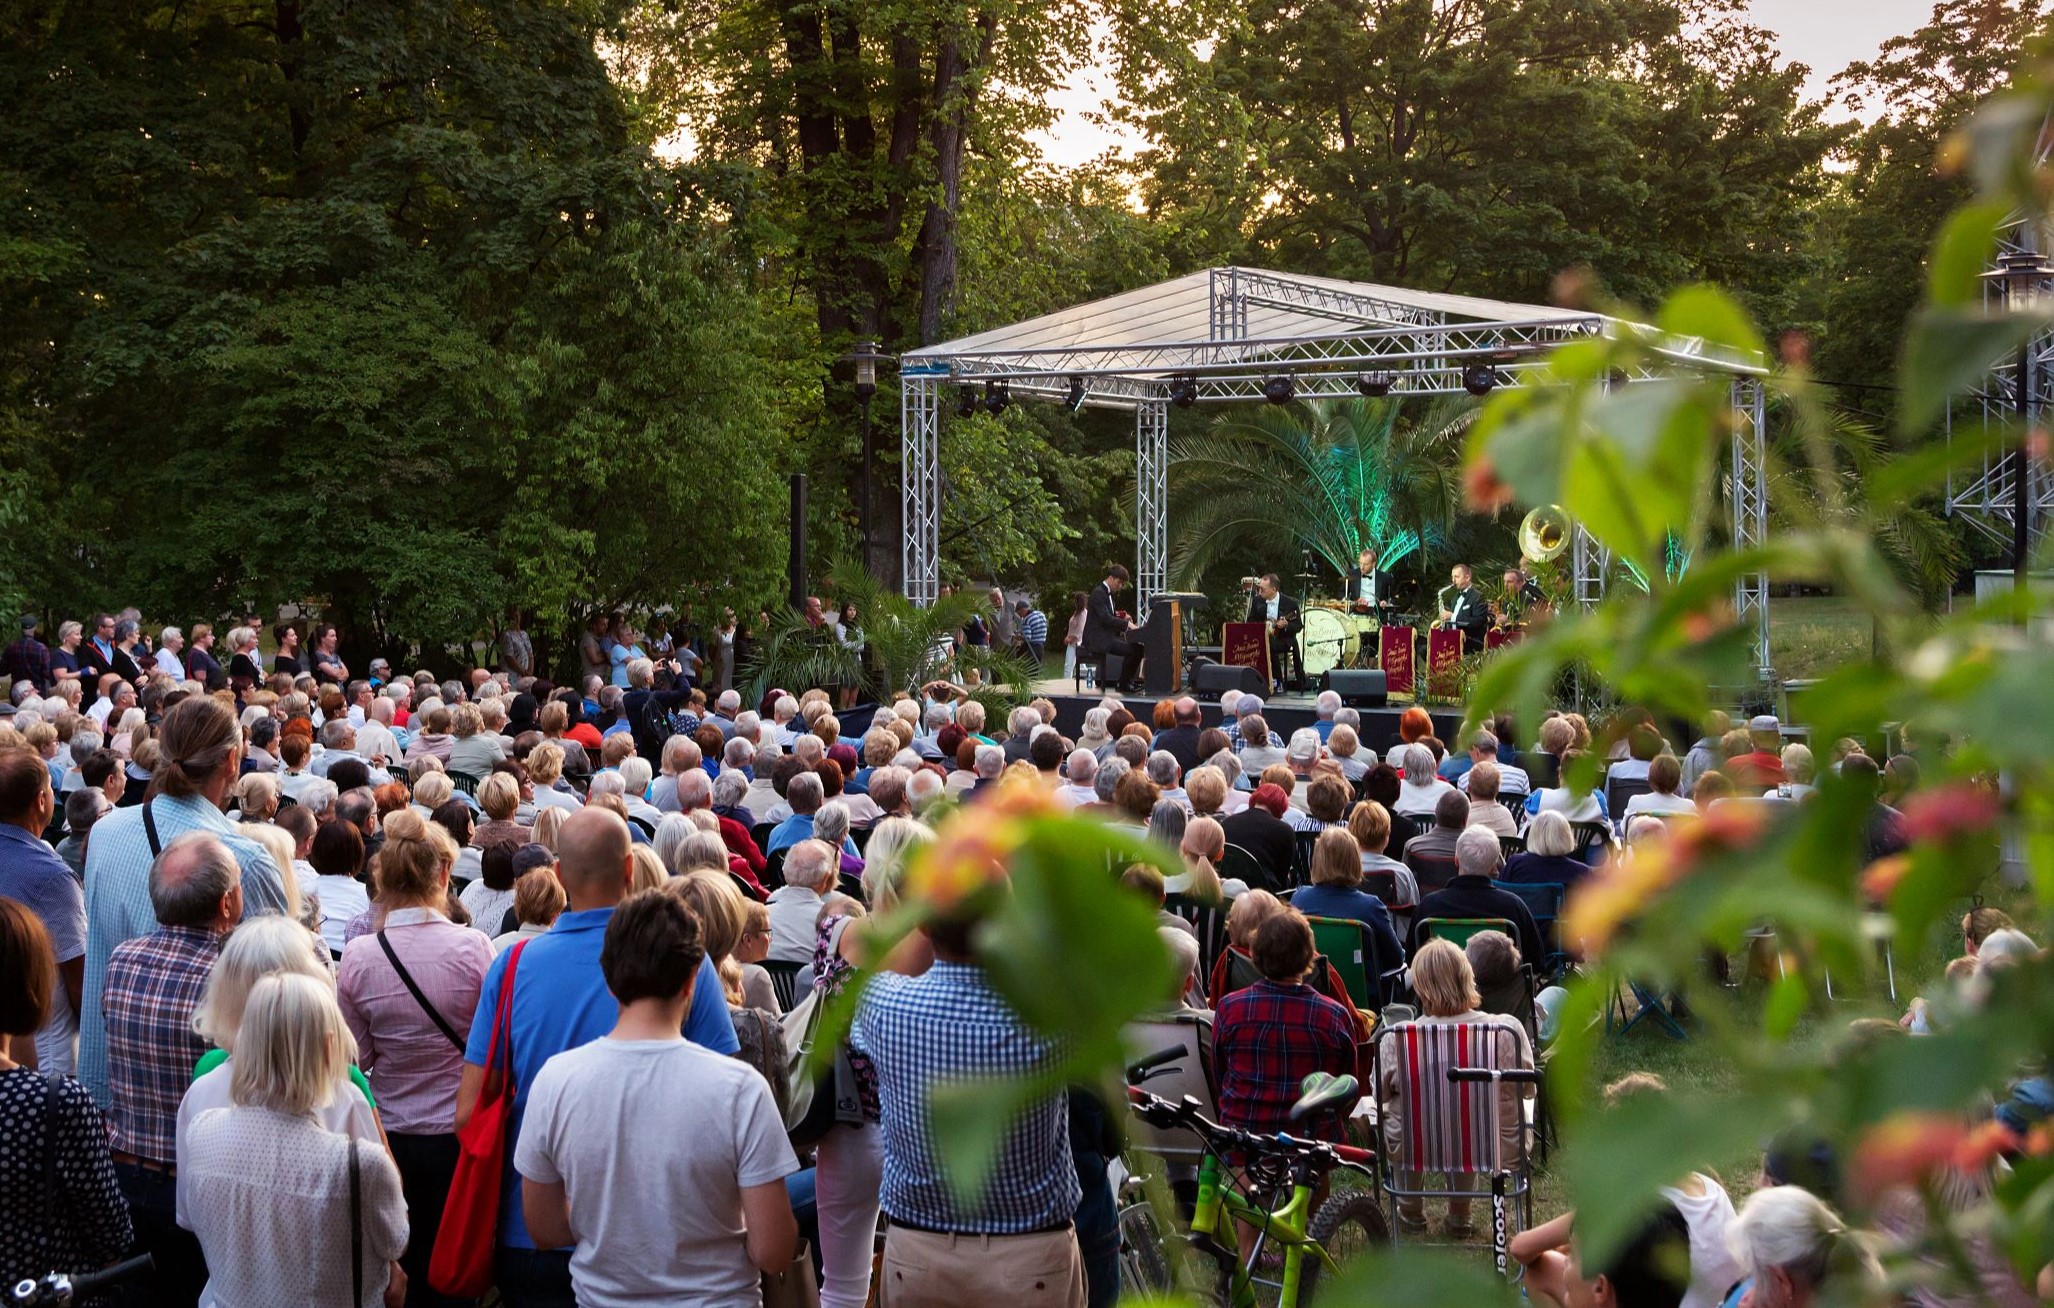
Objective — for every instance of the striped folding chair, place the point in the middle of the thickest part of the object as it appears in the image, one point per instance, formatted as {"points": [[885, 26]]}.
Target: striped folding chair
{"points": [[1434, 1124]]}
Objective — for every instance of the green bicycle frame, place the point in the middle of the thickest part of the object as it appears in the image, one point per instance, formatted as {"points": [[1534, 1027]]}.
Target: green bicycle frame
{"points": [[1287, 1226]]}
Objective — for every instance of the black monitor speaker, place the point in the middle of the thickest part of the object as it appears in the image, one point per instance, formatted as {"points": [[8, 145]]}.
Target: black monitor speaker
{"points": [[1358, 687], [1212, 678]]}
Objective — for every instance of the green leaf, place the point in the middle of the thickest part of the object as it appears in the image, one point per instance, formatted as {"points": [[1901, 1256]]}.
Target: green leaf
{"points": [[1962, 252], [1947, 351], [1418, 1278], [971, 1119], [1708, 313]]}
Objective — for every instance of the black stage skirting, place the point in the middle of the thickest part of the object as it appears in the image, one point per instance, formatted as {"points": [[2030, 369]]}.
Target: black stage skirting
{"points": [[1379, 725]]}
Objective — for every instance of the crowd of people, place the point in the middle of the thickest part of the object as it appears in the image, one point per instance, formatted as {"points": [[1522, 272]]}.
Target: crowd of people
{"points": [[270, 940]]}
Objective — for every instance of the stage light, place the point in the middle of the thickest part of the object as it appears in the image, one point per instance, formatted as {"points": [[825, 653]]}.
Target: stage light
{"points": [[1279, 389], [1184, 391], [1075, 400], [966, 402], [1479, 379], [1374, 384], [997, 395]]}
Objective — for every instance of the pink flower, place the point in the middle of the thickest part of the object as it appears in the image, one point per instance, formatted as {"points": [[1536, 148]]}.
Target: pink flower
{"points": [[1959, 808]]}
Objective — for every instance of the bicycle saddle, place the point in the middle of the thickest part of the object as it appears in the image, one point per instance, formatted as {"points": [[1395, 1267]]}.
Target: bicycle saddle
{"points": [[1320, 1091]]}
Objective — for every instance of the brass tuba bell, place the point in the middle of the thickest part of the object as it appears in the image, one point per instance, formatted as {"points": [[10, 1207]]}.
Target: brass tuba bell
{"points": [[1544, 533]]}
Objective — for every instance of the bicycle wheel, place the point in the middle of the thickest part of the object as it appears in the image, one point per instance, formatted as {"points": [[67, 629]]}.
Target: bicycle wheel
{"points": [[1345, 1225], [1143, 1267]]}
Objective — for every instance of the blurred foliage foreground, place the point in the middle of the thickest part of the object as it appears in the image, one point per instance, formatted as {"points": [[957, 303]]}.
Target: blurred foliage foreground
{"points": [[1974, 698]]}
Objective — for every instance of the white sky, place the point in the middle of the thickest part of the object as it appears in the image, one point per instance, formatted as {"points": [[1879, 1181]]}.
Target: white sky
{"points": [[1825, 35]]}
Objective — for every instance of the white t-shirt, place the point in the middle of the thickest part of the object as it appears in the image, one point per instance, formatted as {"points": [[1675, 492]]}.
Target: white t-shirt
{"points": [[1712, 1267], [657, 1211], [342, 900]]}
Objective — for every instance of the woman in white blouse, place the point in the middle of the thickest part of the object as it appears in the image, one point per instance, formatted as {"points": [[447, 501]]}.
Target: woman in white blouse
{"points": [[263, 1175]]}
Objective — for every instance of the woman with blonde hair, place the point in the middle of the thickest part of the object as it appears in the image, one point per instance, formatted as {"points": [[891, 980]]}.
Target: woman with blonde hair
{"points": [[649, 871], [433, 740], [1446, 987], [545, 770], [408, 993], [472, 749], [548, 826], [1370, 824], [279, 843], [259, 948], [757, 989], [1203, 846], [256, 796], [431, 791], [538, 901], [499, 795], [263, 1173]]}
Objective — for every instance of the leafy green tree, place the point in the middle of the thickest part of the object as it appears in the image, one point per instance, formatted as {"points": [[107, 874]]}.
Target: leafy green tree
{"points": [[1894, 190], [386, 310], [1478, 145]]}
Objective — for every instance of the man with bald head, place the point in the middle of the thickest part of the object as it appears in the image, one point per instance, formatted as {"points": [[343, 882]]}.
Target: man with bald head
{"points": [[152, 985], [560, 1001]]}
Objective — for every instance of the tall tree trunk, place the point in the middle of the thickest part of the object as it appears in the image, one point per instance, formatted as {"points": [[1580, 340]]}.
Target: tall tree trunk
{"points": [[957, 80]]}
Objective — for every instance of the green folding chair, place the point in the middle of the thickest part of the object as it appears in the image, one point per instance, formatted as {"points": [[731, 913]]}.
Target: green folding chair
{"points": [[1346, 946]]}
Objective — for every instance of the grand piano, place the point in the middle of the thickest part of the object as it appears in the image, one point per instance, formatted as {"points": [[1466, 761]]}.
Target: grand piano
{"points": [[1162, 639]]}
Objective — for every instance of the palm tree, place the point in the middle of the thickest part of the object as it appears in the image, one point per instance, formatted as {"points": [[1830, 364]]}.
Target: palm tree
{"points": [[901, 648], [1332, 477]]}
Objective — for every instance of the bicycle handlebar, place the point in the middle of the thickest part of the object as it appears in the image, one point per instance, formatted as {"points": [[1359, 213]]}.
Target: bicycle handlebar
{"points": [[1518, 1074], [84, 1287], [59, 1288], [1137, 1072], [1161, 1112]]}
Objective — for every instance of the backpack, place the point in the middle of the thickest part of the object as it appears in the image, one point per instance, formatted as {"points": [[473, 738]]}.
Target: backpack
{"points": [[651, 727], [763, 1048]]}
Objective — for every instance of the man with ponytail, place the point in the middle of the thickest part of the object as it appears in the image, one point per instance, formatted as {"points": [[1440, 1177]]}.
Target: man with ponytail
{"points": [[200, 752]]}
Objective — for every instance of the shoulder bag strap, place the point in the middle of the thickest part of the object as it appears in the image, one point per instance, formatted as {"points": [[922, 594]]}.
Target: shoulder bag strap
{"points": [[150, 828], [407, 980], [499, 1055], [356, 1229]]}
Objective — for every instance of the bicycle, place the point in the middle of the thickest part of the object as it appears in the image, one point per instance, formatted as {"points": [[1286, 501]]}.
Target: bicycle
{"points": [[1310, 1239], [61, 1289]]}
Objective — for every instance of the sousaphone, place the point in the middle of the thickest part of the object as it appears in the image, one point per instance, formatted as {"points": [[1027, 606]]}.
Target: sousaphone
{"points": [[1544, 534]]}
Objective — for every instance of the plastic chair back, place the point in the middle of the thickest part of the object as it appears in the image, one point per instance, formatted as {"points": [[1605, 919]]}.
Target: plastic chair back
{"points": [[1346, 946], [1190, 1075], [1457, 930]]}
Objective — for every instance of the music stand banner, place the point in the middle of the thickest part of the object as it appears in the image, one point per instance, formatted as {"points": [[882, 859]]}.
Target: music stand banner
{"points": [[1493, 639], [1443, 652], [1246, 645], [1394, 656]]}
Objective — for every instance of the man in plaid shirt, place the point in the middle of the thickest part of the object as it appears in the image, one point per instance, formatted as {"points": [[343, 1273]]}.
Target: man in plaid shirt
{"points": [[153, 984], [1270, 1037], [27, 659]]}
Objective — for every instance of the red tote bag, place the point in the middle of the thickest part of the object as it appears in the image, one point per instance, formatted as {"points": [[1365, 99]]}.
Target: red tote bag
{"points": [[462, 1263]]}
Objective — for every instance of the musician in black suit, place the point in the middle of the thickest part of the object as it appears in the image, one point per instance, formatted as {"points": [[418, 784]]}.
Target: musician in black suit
{"points": [[1522, 602], [1279, 611], [1466, 610], [1107, 631], [1369, 587]]}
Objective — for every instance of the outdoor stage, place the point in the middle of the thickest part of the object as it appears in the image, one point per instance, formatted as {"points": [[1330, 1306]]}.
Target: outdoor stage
{"points": [[1284, 713]]}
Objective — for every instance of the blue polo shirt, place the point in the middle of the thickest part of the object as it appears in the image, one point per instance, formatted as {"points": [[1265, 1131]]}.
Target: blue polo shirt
{"points": [[798, 827], [560, 1002]]}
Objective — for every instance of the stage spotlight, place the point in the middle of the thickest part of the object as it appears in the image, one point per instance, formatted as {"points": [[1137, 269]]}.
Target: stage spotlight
{"points": [[1184, 391], [1479, 379], [1279, 389], [966, 402], [1374, 384], [1075, 399], [997, 395]]}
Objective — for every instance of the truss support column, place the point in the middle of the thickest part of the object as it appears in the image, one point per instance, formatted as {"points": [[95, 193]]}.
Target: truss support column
{"points": [[1749, 494], [1151, 500], [920, 486]]}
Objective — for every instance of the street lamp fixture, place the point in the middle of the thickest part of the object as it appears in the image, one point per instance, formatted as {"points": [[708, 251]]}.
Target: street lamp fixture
{"points": [[865, 358]]}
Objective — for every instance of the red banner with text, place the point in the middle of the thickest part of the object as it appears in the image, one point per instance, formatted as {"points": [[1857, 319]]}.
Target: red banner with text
{"points": [[1394, 656], [1246, 645], [1443, 652]]}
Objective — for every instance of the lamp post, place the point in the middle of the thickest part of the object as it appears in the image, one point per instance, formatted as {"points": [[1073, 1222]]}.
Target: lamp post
{"points": [[2021, 274], [866, 357]]}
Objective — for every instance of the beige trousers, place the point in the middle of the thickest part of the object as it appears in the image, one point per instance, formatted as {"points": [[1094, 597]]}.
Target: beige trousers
{"points": [[925, 1270]]}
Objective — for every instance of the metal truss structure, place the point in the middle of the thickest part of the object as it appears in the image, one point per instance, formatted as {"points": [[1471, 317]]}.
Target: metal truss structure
{"points": [[1984, 495], [1240, 335]]}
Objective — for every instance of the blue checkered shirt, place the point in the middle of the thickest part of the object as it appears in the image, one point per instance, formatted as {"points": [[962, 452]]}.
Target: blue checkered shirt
{"points": [[153, 985], [118, 904], [1231, 728], [950, 1025]]}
